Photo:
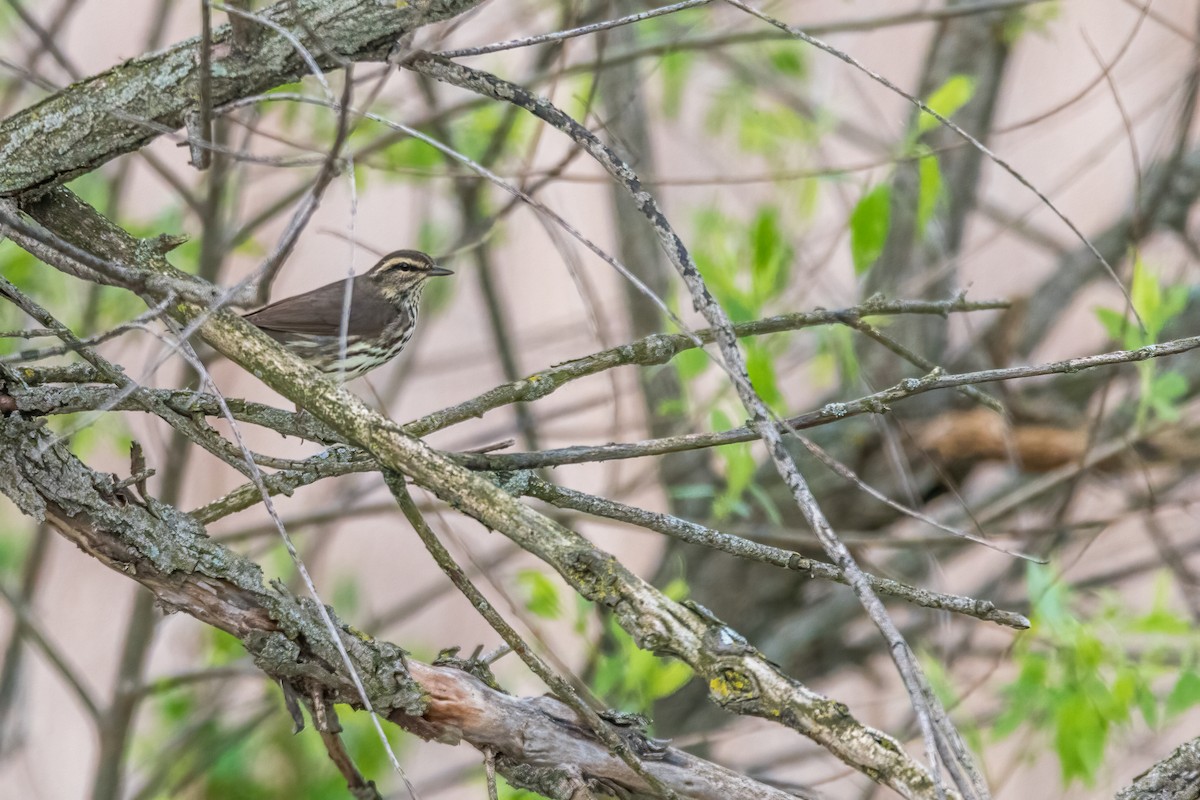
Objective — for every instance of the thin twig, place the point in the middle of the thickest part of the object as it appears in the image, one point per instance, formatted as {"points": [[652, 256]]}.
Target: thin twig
{"points": [[876, 403], [694, 533], [571, 33]]}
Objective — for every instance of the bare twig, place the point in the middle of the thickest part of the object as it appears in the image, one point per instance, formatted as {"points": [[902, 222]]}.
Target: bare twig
{"points": [[744, 548]]}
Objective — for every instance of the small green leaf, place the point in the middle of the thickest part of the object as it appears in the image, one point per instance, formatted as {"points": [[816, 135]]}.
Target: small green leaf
{"points": [[766, 503], [770, 254], [1161, 621], [677, 590], [929, 192], [760, 366], [345, 595], [667, 679], [1146, 294], [674, 68], [1166, 390], [223, 648], [541, 595], [1148, 704], [1185, 694], [412, 156], [1115, 324], [691, 363], [869, 227], [1175, 300], [946, 100], [788, 60]]}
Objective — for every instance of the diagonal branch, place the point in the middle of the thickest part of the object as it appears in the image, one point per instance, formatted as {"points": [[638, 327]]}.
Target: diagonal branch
{"points": [[171, 555], [117, 111], [939, 733], [739, 677], [695, 533]]}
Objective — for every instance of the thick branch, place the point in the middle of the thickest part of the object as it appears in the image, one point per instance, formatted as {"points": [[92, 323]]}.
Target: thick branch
{"points": [[170, 554], [117, 111], [739, 677], [1173, 778]]}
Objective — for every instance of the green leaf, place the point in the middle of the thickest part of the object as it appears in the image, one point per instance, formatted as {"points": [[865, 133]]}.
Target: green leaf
{"points": [[667, 679], [1115, 324], [929, 192], [506, 792], [1166, 390], [1148, 704], [770, 129], [1034, 19], [677, 590], [771, 255], [13, 546], [412, 156], [946, 100], [788, 60], [767, 504], [541, 595], [475, 131], [223, 648], [634, 678], [674, 68], [835, 359], [1121, 696], [691, 363], [1144, 290], [760, 366], [1175, 300], [1160, 619], [1185, 694], [1080, 736], [739, 470], [869, 227], [1025, 697], [719, 420]]}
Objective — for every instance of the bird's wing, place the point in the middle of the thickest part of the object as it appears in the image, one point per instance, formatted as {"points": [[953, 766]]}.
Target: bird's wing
{"points": [[319, 312]]}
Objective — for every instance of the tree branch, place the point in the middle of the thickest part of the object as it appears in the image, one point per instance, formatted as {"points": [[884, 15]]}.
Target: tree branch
{"points": [[739, 677], [117, 111], [544, 744]]}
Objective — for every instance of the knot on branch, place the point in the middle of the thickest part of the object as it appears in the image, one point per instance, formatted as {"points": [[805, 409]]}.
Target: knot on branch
{"points": [[515, 483], [472, 666], [594, 574], [633, 730], [730, 686], [657, 348]]}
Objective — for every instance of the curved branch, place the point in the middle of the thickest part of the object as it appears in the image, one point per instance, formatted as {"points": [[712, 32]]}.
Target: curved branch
{"points": [[544, 745]]}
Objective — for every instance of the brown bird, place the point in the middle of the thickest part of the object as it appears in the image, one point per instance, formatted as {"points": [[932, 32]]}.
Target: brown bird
{"points": [[383, 314]]}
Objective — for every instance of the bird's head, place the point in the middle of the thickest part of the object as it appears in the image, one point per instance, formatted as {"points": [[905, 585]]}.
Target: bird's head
{"points": [[404, 270]]}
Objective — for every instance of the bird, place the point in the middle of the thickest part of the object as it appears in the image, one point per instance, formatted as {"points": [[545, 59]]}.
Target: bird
{"points": [[383, 314]]}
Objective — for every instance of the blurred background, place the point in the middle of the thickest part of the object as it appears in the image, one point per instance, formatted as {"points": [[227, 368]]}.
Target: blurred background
{"points": [[798, 182]]}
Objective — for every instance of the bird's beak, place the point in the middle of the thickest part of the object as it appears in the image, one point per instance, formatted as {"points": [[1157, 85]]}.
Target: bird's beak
{"points": [[437, 271]]}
